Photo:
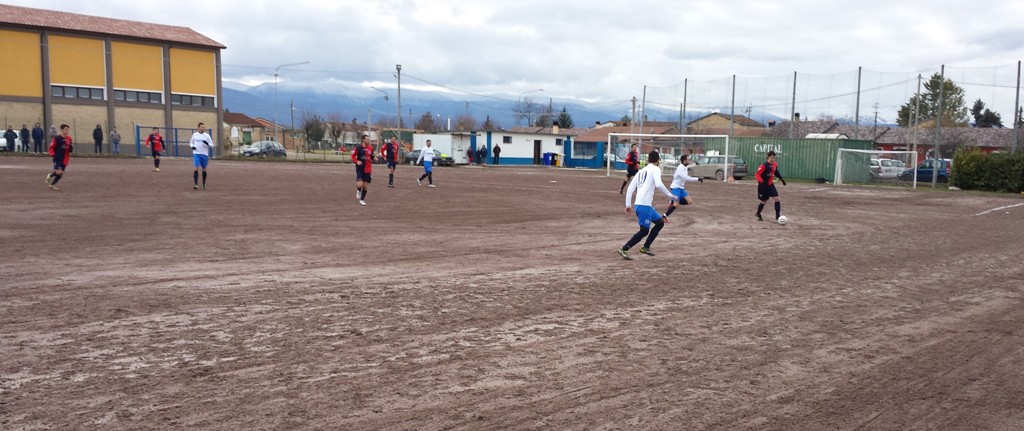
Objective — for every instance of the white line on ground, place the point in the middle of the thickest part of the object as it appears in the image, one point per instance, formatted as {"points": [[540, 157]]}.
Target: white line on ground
{"points": [[823, 188], [997, 209]]}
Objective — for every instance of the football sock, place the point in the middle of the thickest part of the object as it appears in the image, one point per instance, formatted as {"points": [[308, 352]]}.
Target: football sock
{"points": [[658, 224], [639, 235], [430, 177], [759, 208], [56, 177], [623, 187], [778, 209], [391, 178], [204, 177], [195, 178], [670, 209], [363, 196], [156, 163], [422, 177]]}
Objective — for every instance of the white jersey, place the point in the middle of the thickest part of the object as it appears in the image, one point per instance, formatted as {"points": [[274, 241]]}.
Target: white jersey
{"points": [[201, 143], [426, 155], [681, 176], [644, 183]]}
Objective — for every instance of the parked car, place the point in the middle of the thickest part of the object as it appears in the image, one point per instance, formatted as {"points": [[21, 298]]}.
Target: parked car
{"points": [[711, 167], [265, 149], [940, 167], [440, 159], [883, 169]]}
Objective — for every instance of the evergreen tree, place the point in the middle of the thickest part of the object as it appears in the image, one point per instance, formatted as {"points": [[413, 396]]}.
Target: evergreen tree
{"points": [[954, 109], [564, 119]]}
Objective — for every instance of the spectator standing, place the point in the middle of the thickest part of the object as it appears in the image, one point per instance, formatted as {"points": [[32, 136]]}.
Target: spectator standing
{"points": [[97, 136], [481, 155], [25, 135], [10, 135], [115, 141], [469, 155], [497, 153], [37, 138], [53, 132]]}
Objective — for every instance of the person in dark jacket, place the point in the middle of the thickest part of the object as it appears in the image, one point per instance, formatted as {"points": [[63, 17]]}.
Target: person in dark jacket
{"points": [[497, 153], [10, 135], [25, 135], [97, 135], [469, 156], [37, 138], [481, 155]]}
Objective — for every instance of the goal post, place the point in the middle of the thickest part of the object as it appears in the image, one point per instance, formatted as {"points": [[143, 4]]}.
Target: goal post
{"points": [[876, 167], [670, 146]]}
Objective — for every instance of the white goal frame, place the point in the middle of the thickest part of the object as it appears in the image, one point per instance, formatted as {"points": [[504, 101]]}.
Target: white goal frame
{"points": [[839, 161], [608, 148]]}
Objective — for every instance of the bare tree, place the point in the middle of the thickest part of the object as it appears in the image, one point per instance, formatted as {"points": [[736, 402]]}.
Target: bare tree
{"points": [[465, 123], [313, 126], [427, 122], [527, 109], [335, 128]]}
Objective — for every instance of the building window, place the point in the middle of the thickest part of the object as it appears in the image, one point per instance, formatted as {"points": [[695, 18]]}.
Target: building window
{"points": [[77, 92], [558, 142], [119, 95], [506, 139], [137, 96], [584, 150], [132, 96], [187, 100]]}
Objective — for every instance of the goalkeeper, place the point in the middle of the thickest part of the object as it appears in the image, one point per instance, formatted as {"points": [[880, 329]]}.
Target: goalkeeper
{"points": [[679, 179], [766, 174], [202, 148]]}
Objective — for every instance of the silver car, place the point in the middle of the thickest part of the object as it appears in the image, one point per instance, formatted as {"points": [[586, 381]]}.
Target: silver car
{"points": [[713, 167]]}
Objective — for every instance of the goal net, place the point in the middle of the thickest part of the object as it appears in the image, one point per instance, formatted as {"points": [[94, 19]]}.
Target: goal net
{"points": [[670, 147], [876, 167]]}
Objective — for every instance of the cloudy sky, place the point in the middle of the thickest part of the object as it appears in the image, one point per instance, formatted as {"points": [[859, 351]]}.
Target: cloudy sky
{"points": [[601, 51]]}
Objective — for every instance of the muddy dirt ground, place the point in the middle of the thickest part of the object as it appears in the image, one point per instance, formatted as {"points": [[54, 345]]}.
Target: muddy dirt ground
{"points": [[272, 300]]}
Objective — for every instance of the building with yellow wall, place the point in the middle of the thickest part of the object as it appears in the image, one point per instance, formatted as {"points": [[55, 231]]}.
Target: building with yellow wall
{"points": [[64, 68]]}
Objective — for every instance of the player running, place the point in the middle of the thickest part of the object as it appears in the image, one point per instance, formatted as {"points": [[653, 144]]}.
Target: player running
{"points": [[362, 156], [156, 142], [427, 157], [60, 148], [632, 166], [679, 179], [390, 153], [766, 174], [202, 148], [644, 184]]}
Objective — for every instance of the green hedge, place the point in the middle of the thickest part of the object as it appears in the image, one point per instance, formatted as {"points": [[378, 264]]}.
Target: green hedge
{"points": [[976, 170]]}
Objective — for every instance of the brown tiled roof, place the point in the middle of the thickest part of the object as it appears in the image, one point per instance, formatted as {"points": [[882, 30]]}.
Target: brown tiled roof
{"points": [[740, 120], [601, 134], [44, 19], [240, 119], [801, 128]]}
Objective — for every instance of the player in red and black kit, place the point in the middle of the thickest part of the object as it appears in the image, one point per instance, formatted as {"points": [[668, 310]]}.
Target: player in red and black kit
{"points": [[362, 156], [766, 187], [632, 166], [60, 148], [390, 153], [156, 142]]}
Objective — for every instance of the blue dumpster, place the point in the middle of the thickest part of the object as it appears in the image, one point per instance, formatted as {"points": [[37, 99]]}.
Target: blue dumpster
{"points": [[547, 159]]}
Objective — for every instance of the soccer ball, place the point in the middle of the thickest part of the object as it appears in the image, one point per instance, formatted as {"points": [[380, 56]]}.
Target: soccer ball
{"points": [[783, 220]]}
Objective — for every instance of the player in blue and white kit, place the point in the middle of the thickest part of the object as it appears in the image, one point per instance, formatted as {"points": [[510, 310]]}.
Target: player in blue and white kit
{"points": [[427, 157], [202, 146], [679, 179], [644, 184]]}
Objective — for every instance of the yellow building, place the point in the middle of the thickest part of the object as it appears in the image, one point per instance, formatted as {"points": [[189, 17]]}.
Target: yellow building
{"points": [[64, 68]]}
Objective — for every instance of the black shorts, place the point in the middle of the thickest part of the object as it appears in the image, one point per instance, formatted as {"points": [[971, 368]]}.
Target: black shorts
{"points": [[764, 192], [362, 176], [392, 164], [59, 166], [157, 153], [631, 170]]}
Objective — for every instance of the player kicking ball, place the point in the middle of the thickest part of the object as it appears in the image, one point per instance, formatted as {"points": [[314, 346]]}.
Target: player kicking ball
{"points": [[644, 184]]}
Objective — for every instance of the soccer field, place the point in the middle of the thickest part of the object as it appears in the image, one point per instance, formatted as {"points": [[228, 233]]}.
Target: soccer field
{"points": [[272, 300]]}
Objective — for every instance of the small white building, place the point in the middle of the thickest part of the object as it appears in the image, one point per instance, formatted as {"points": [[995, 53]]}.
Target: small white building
{"points": [[517, 148]]}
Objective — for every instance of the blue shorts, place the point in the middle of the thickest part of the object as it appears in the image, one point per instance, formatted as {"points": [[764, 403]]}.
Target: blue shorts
{"points": [[646, 214], [428, 167], [200, 160], [680, 194], [361, 175]]}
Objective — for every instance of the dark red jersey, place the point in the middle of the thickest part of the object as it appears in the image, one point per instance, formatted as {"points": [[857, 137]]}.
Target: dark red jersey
{"points": [[389, 151], [60, 149], [363, 153], [767, 172], [156, 141], [633, 158]]}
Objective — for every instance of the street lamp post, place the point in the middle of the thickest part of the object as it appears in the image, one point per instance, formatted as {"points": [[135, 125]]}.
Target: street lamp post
{"points": [[276, 70]]}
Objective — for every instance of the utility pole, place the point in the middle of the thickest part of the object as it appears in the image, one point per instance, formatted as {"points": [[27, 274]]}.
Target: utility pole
{"points": [[398, 67], [874, 128]]}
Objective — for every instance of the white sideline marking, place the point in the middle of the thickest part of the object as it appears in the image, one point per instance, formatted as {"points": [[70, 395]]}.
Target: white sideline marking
{"points": [[823, 188], [997, 209]]}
